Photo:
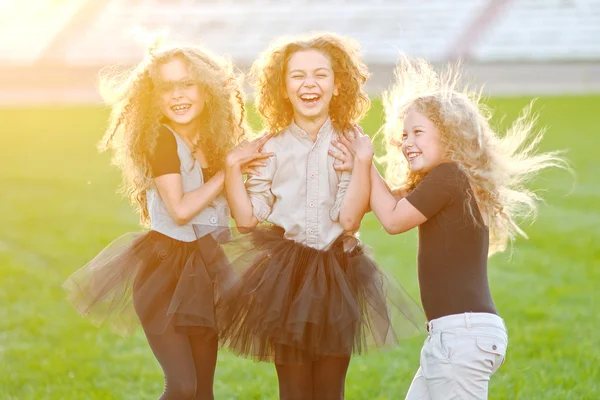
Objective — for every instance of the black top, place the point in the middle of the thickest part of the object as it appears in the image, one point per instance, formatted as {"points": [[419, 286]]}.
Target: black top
{"points": [[165, 159], [453, 249]]}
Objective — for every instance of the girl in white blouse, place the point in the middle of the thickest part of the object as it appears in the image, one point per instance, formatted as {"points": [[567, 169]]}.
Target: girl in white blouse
{"points": [[309, 296]]}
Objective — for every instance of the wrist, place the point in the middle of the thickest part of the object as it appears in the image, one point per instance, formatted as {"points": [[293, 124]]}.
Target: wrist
{"points": [[363, 158], [233, 168], [230, 162]]}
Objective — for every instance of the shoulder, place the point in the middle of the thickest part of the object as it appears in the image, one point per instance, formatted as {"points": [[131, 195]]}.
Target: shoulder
{"points": [[450, 178], [165, 157], [277, 141], [166, 139], [447, 171]]}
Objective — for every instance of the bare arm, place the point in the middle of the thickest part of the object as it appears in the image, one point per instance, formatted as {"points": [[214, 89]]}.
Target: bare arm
{"points": [[182, 207], [356, 201], [238, 198], [240, 202], [395, 216]]}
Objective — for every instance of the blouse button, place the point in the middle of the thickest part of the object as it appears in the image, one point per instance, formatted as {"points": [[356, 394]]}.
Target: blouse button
{"points": [[213, 220], [310, 231], [312, 176], [312, 204]]}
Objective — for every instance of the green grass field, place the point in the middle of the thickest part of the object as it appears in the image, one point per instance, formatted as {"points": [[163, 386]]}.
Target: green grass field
{"points": [[59, 208]]}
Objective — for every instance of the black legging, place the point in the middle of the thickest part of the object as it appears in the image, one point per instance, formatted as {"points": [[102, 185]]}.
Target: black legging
{"points": [[188, 363]]}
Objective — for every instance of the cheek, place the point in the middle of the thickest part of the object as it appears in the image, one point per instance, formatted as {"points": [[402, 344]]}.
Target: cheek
{"points": [[328, 86], [195, 95], [163, 102], [291, 87]]}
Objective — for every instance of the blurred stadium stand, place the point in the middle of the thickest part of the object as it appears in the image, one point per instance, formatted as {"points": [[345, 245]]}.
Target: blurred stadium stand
{"points": [[519, 46]]}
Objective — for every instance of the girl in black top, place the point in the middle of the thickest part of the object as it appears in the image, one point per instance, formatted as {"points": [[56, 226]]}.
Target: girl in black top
{"points": [[463, 186]]}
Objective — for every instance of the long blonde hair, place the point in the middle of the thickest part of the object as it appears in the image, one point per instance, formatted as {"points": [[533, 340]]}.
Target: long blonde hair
{"points": [[498, 167], [268, 76], [136, 118]]}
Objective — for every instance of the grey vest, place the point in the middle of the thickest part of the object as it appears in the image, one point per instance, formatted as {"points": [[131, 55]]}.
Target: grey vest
{"points": [[214, 219]]}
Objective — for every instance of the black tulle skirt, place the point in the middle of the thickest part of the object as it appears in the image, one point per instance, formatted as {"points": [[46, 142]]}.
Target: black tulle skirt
{"points": [[294, 304], [153, 279]]}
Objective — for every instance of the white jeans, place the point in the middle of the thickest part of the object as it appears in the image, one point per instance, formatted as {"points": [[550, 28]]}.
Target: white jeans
{"points": [[459, 356]]}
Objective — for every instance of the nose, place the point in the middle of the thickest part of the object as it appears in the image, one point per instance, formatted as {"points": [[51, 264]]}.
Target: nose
{"points": [[176, 95], [309, 81]]}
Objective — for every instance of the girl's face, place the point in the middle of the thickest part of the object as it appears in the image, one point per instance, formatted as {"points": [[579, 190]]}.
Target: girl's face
{"points": [[181, 98], [310, 84], [421, 143]]}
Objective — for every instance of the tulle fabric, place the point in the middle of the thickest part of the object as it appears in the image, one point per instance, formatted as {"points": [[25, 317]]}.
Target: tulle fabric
{"points": [[295, 304], [153, 279]]}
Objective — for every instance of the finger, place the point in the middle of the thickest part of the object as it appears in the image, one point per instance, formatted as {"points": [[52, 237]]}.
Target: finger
{"points": [[359, 129], [260, 156], [251, 171], [340, 146], [344, 140], [256, 164], [337, 154], [260, 142], [350, 136]]}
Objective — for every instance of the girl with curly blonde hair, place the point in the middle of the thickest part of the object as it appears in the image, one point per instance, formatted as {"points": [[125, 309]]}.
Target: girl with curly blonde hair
{"points": [[310, 296], [463, 185], [174, 118]]}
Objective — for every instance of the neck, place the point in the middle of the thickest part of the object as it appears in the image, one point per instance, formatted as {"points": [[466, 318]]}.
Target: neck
{"points": [[311, 125], [188, 132]]}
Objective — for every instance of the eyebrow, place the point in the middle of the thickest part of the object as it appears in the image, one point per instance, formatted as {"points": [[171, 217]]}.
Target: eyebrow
{"points": [[416, 126], [182, 80], [316, 70]]}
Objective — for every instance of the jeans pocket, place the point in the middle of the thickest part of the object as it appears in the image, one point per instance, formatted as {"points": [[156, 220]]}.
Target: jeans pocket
{"points": [[493, 349], [446, 344]]}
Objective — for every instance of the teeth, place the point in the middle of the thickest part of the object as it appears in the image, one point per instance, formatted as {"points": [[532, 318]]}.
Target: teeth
{"points": [[180, 107], [412, 156], [309, 96]]}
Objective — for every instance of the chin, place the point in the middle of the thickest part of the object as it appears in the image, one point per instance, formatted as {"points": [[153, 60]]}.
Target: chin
{"points": [[312, 114], [183, 119]]}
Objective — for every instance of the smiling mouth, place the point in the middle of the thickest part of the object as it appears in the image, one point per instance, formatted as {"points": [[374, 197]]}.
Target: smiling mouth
{"points": [[412, 156], [181, 108], [310, 99]]}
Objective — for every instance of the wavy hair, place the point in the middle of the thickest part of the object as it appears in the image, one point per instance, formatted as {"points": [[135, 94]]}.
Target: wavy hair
{"points": [[498, 167], [350, 73], [135, 116]]}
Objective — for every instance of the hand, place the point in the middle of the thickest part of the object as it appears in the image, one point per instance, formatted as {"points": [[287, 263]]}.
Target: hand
{"points": [[250, 168], [343, 155], [358, 144], [247, 152]]}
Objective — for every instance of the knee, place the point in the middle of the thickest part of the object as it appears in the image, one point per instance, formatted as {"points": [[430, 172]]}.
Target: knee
{"points": [[293, 391], [184, 390]]}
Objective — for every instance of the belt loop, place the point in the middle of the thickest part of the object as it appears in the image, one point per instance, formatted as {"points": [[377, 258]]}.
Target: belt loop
{"points": [[468, 320]]}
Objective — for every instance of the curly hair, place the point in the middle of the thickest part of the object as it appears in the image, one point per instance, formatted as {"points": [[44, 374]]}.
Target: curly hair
{"points": [[136, 117], [350, 73], [498, 167]]}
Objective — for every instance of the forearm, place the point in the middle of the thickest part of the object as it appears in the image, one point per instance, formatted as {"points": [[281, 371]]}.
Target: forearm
{"points": [[238, 198], [383, 203], [192, 203], [356, 199]]}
